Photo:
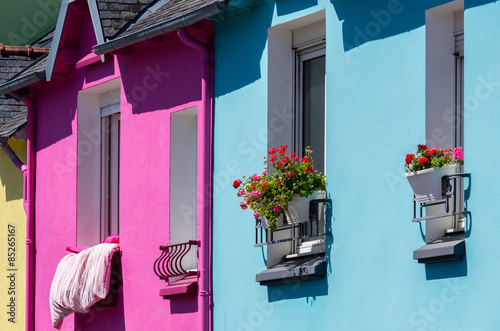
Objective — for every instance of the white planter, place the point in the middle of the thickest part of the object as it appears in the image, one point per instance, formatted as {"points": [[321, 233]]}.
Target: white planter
{"points": [[426, 184], [298, 210]]}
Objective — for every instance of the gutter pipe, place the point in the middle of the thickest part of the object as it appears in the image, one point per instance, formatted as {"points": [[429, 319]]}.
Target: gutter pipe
{"points": [[22, 82], [204, 179], [158, 30], [29, 208]]}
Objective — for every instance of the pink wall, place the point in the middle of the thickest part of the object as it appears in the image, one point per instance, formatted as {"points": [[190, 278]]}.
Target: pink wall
{"points": [[155, 82]]}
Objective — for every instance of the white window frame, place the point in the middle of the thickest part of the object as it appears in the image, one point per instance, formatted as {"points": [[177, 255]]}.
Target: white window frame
{"points": [[91, 101]]}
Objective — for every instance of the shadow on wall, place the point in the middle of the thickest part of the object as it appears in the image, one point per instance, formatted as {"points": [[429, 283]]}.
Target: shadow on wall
{"points": [[446, 269], [239, 48], [10, 176], [284, 7], [184, 305], [365, 21], [308, 289]]}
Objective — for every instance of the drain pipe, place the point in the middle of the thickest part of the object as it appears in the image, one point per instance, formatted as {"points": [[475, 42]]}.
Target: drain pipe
{"points": [[204, 180], [29, 208]]}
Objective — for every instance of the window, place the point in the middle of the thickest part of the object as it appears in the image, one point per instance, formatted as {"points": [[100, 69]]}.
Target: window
{"points": [[310, 102], [444, 27], [98, 164], [110, 170], [183, 181], [296, 117]]}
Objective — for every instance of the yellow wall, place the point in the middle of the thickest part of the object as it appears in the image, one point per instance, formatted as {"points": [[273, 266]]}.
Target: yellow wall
{"points": [[12, 213]]}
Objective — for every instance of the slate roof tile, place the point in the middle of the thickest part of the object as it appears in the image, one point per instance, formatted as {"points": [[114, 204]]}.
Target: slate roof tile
{"points": [[116, 14], [169, 11]]}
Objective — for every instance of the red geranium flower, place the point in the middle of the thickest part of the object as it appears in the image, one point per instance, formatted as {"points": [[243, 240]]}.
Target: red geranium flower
{"points": [[409, 158], [237, 183], [273, 158], [280, 164], [422, 160], [243, 205], [431, 152], [422, 147], [272, 150], [305, 160]]}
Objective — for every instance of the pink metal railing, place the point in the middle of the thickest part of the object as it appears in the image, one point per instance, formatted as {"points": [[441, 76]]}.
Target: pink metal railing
{"points": [[169, 264]]}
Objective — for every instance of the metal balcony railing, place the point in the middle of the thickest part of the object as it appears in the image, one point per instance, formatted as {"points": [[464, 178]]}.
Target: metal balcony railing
{"points": [[169, 264], [308, 229], [449, 185]]}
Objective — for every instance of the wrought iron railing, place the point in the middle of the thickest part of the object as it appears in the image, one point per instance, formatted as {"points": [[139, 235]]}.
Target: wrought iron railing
{"points": [[309, 229], [169, 264]]}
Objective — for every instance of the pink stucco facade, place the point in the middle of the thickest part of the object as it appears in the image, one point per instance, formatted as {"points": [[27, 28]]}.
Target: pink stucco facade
{"points": [[155, 81]]}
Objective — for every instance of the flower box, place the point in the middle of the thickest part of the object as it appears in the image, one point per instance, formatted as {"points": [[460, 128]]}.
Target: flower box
{"points": [[427, 184], [297, 210]]}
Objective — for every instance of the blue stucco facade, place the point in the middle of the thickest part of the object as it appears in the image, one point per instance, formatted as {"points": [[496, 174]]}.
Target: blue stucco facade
{"points": [[375, 114]]}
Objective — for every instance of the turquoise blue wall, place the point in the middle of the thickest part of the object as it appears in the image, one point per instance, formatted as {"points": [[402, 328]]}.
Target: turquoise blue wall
{"points": [[375, 115]]}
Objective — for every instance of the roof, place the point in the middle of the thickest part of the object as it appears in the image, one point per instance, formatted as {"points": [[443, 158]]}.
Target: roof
{"points": [[11, 68], [129, 21], [172, 15], [170, 11], [116, 14], [14, 124], [30, 75]]}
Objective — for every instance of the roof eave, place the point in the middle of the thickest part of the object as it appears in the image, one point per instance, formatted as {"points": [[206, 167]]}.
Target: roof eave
{"points": [[23, 82], [157, 30]]}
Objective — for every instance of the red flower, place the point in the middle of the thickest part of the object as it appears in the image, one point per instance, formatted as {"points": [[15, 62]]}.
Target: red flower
{"points": [[243, 205], [285, 159], [305, 160], [422, 147], [280, 164], [256, 178], [263, 173], [272, 150], [293, 155], [422, 160], [273, 158], [264, 186], [310, 169], [290, 175], [409, 158], [431, 152], [237, 183]]}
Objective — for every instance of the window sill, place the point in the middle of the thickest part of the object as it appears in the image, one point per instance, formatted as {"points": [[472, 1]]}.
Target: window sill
{"points": [[449, 248], [298, 269], [183, 288]]}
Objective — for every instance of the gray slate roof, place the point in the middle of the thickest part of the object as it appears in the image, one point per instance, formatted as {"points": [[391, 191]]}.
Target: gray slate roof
{"points": [[171, 10], [14, 123], [116, 14], [11, 68]]}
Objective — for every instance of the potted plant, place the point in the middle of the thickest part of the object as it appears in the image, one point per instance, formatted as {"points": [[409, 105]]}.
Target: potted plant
{"points": [[272, 194], [425, 169]]}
